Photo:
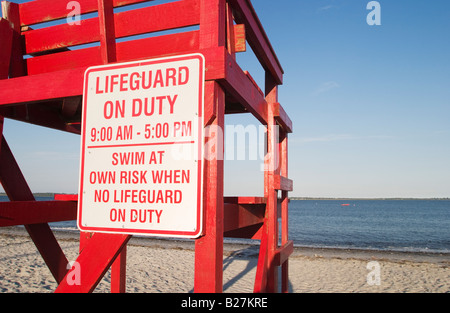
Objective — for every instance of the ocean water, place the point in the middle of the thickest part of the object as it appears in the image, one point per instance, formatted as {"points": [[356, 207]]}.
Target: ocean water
{"points": [[388, 225]]}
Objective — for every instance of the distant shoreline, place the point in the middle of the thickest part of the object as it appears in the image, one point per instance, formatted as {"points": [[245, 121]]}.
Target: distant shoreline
{"points": [[52, 194]]}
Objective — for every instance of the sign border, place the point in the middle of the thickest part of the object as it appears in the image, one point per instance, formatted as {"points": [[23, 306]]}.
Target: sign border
{"points": [[199, 211]]}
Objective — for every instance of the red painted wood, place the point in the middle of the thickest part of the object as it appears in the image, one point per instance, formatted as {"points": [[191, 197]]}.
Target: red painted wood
{"points": [[283, 183], [107, 31], [240, 41], [69, 83], [39, 11], [212, 23], [262, 266], [36, 212], [97, 256], [272, 201], [126, 51], [10, 11], [245, 200], [64, 84], [282, 254], [128, 23], [65, 197], [282, 118], [209, 248], [238, 216], [6, 38], [119, 272], [257, 38], [284, 210], [242, 89], [230, 31]]}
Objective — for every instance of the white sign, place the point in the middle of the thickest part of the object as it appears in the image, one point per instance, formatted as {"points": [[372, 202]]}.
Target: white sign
{"points": [[142, 148]]}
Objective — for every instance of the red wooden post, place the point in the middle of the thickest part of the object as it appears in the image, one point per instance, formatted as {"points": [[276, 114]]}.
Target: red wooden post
{"points": [[209, 248], [119, 272], [6, 38], [107, 31], [284, 211], [267, 274], [10, 11]]}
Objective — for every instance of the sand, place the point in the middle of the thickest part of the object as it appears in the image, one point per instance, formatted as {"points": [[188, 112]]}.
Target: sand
{"points": [[159, 266]]}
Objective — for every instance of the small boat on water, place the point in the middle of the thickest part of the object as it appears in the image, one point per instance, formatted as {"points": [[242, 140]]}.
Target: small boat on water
{"points": [[345, 204]]}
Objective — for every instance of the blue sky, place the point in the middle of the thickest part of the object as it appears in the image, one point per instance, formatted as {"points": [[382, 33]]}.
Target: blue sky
{"points": [[370, 104]]}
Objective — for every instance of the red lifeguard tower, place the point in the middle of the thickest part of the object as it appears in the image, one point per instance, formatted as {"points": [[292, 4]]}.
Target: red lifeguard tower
{"points": [[46, 87]]}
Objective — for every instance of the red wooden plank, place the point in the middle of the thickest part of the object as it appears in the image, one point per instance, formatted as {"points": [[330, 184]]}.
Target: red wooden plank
{"points": [[65, 197], [134, 22], [158, 46], [243, 90], [126, 51], [36, 212], [97, 256], [39, 11], [240, 42], [68, 83], [282, 254], [282, 118], [239, 216], [209, 248], [6, 37], [63, 84], [249, 232], [257, 38], [283, 183], [245, 200]]}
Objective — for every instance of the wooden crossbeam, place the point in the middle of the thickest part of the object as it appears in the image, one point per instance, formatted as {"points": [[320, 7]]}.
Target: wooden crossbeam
{"points": [[128, 23], [238, 216], [36, 212], [39, 11], [281, 117], [282, 254]]}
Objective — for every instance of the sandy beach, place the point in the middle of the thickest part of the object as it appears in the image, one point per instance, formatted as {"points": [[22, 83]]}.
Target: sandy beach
{"points": [[159, 266]]}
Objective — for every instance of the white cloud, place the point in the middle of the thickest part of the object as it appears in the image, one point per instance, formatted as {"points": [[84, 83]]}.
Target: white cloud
{"points": [[327, 7], [325, 87]]}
